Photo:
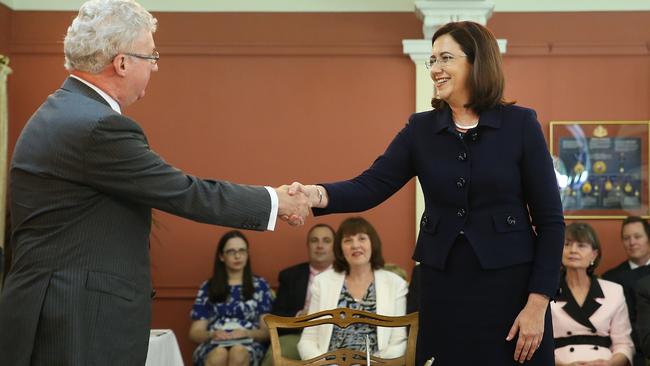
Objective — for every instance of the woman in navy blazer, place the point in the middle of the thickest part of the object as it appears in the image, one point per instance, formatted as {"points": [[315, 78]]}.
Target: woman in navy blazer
{"points": [[491, 236]]}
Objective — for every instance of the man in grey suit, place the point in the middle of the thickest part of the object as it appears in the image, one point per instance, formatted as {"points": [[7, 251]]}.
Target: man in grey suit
{"points": [[83, 180]]}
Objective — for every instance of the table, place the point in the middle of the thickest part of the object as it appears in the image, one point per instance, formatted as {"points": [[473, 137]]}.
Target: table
{"points": [[163, 349]]}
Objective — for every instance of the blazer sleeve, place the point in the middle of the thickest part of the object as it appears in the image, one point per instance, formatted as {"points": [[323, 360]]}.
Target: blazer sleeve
{"points": [[643, 314], [119, 161], [390, 172], [308, 345], [620, 328], [397, 341], [545, 208]]}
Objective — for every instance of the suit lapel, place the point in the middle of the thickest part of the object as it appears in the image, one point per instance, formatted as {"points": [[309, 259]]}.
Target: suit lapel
{"points": [[330, 301], [582, 314], [301, 284], [385, 306]]}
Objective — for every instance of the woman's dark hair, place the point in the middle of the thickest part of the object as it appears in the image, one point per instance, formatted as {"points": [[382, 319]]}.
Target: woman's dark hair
{"points": [[584, 233], [486, 79], [632, 220], [353, 226], [218, 284]]}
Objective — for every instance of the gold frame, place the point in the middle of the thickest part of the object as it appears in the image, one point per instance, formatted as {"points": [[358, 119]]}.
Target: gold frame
{"points": [[645, 203]]}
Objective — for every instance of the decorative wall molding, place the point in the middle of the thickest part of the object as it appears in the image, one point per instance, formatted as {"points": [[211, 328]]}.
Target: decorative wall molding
{"points": [[514, 49], [436, 13], [337, 5]]}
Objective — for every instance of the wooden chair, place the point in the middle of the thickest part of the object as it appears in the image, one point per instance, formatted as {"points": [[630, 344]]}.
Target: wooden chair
{"points": [[343, 317]]}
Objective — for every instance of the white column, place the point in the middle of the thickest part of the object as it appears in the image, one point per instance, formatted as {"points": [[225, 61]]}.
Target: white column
{"points": [[434, 14], [4, 131]]}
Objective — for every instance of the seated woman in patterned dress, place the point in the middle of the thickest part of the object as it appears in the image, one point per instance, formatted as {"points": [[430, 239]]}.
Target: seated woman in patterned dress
{"points": [[357, 282], [228, 309]]}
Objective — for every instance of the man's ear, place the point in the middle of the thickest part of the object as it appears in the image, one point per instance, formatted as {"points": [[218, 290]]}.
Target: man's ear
{"points": [[119, 65]]}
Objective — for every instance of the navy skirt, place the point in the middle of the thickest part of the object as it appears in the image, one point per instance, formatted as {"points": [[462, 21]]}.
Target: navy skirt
{"points": [[466, 312]]}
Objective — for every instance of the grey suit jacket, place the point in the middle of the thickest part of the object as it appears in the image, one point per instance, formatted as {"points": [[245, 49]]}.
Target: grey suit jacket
{"points": [[83, 180]]}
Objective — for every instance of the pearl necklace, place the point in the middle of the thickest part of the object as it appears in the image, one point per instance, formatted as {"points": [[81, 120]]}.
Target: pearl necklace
{"points": [[465, 127]]}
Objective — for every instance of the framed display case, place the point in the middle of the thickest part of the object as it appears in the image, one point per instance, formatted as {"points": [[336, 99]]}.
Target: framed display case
{"points": [[602, 168]]}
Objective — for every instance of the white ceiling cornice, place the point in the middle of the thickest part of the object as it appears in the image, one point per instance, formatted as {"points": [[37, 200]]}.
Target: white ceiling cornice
{"points": [[337, 5]]}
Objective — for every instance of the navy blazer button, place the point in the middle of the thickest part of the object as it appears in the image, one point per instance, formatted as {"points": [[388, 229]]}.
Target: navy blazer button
{"points": [[424, 221], [511, 220], [460, 183], [461, 212], [473, 136], [462, 156]]}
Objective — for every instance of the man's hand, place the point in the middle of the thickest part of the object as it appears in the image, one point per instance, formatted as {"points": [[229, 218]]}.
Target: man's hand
{"points": [[294, 208], [317, 195]]}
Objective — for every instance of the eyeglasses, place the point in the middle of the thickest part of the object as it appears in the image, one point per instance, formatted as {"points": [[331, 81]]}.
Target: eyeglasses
{"points": [[443, 61], [153, 58], [233, 252]]}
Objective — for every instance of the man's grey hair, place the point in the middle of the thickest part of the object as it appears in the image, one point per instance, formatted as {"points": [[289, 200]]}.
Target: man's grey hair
{"points": [[103, 29]]}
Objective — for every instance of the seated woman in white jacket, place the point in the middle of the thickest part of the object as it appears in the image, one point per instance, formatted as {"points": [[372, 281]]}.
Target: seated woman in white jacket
{"points": [[356, 281]]}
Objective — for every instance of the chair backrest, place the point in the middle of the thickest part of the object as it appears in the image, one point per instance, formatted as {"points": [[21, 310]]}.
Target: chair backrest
{"points": [[343, 317]]}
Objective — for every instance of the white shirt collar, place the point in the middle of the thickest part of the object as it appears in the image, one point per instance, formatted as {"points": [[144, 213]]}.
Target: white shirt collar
{"points": [[314, 271], [112, 102], [635, 266]]}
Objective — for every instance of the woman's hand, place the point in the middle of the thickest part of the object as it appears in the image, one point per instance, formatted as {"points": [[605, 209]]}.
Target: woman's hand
{"points": [[239, 333], [220, 335], [317, 195], [530, 326]]}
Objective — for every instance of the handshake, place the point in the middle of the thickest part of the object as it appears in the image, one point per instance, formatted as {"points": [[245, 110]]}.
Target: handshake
{"points": [[296, 200]]}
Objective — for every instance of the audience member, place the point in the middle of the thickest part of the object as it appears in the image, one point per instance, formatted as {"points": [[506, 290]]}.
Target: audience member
{"points": [[293, 295], [229, 307], [635, 232], [357, 281], [643, 316], [590, 320]]}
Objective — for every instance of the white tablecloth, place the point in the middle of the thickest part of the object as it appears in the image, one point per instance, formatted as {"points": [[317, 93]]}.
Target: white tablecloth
{"points": [[163, 349]]}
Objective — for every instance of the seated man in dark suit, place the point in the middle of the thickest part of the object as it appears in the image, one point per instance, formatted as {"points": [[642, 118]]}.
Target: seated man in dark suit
{"points": [[293, 296], [635, 234], [642, 324]]}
